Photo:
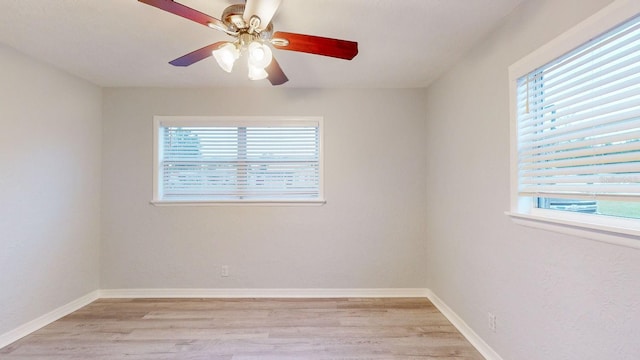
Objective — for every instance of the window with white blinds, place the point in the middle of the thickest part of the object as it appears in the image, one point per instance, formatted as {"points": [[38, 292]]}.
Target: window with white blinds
{"points": [[238, 159], [578, 121]]}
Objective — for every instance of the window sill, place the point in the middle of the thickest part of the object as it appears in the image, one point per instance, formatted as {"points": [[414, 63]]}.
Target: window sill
{"points": [[238, 203], [622, 235]]}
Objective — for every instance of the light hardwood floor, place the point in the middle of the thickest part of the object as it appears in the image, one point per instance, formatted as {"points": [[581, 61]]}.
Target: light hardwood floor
{"points": [[248, 329]]}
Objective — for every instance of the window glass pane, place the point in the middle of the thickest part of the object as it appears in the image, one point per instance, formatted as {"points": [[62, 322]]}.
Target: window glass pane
{"points": [[625, 209], [619, 208]]}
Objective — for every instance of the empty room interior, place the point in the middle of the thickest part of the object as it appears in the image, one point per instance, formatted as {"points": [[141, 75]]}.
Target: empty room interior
{"points": [[396, 212]]}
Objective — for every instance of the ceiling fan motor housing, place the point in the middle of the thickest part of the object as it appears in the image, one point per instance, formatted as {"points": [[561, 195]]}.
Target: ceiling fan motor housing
{"points": [[232, 16]]}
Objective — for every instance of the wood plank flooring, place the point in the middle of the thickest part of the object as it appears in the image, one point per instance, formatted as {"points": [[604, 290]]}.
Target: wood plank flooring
{"points": [[248, 329]]}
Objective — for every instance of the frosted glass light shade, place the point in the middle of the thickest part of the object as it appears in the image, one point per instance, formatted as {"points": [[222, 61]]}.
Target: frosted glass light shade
{"points": [[260, 55], [226, 55], [256, 73]]}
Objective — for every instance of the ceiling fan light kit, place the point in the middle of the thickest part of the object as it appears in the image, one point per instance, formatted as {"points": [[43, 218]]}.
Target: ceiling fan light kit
{"points": [[250, 24]]}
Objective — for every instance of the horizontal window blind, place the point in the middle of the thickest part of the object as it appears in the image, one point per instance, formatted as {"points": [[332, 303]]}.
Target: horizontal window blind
{"points": [[247, 162], [579, 121]]}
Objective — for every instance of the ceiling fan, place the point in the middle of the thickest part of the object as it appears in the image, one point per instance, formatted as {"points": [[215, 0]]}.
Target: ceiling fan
{"points": [[250, 25]]}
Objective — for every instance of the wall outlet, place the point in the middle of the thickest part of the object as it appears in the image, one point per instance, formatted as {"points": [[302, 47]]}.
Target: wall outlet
{"points": [[224, 270], [492, 322]]}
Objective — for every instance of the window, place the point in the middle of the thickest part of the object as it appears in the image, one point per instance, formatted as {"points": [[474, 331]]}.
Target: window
{"points": [[237, 160], [576, 125]]}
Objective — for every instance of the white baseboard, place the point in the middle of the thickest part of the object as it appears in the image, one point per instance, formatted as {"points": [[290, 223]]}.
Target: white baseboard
{"points": [[261, 293], [464, 329], [46, 319]]}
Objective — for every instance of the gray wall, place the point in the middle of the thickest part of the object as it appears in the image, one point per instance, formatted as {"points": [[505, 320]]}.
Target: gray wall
{"points": [[370, 234], [50, 169], [411, 203], [554, 296]]}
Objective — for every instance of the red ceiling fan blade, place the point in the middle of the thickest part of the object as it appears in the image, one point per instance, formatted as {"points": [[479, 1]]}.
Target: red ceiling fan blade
{"points": [[186, 12], [195, 56], [276, 75], [342, 49]]}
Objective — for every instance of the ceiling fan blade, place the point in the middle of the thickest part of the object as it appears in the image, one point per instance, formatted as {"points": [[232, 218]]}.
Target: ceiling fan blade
{"points": [[276, 75], [337, 48], [195, 56], [187, 13], [264, 9]]}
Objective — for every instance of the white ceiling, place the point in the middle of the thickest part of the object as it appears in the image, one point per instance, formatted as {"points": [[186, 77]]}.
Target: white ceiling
{"points": [[402, 44]]}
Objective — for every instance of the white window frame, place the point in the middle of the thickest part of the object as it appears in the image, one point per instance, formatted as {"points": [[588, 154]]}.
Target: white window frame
{"points": [[523, 210], [234, 121]]}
